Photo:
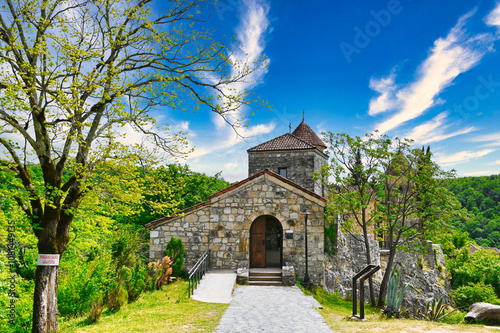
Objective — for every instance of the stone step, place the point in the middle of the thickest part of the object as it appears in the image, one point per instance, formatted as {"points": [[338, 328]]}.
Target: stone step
{"points": [[265, 283], [264, 278], [264, 274]]}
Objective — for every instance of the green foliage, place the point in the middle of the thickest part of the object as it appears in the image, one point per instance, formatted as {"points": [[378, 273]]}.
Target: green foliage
{"points": [[116, 297], [395, 297], [175, 250], [481, 266], [137, 282], [96, 310], [469, 294], [169, 189], [330, 238], [82, 283], [481, 197]]}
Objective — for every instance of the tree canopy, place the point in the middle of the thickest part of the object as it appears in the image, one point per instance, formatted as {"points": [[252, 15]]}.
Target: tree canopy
{"points": [[76, 72], [387, 188], [481, 197]]}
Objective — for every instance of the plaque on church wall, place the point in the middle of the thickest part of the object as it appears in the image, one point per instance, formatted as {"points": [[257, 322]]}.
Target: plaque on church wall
{"points": [[289, 234]]}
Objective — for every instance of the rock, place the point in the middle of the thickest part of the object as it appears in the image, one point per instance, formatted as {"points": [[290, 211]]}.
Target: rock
{"points": [[481, 311]]}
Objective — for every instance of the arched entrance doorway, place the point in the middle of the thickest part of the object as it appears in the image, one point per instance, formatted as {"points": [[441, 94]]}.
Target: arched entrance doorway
{"points": [[266, 242]]}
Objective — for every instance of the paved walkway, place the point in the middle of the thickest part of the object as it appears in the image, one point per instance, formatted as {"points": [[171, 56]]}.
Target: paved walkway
{"points": [[215, 287], [272, 309]]}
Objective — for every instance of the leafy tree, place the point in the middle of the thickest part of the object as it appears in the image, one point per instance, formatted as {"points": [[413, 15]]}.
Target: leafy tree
{"points": [[481, 266], [355, 169], [481, 197], [386, 187], [411, 201], [169, 189], [74, 72]]}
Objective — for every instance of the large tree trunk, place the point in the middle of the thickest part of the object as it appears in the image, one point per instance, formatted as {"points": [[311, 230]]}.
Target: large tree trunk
{"points": [[45, 299], [368, 262], [385, 281]]}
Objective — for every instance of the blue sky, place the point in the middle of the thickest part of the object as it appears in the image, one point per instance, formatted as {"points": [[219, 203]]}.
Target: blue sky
{"points": [[428, 70]]}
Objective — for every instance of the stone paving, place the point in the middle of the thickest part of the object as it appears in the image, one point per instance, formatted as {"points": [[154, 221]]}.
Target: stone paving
{"points": [[272, 309]]}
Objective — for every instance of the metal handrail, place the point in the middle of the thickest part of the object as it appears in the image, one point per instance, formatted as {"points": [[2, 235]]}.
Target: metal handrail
{"points": [[196, 273]]}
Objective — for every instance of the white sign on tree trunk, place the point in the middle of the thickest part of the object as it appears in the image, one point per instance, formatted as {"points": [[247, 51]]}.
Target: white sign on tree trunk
{"points": [[48, 260]]}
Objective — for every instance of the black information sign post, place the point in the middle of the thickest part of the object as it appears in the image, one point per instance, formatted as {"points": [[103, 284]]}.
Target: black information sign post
{"points": [[364, 274]]}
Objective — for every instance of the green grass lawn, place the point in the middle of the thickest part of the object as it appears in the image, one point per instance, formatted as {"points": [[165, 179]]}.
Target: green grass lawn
{"points": [[337, 310], [167, 310]]}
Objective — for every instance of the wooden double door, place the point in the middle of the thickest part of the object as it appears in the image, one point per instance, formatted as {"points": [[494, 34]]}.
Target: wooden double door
{"points": [[266, 242]]}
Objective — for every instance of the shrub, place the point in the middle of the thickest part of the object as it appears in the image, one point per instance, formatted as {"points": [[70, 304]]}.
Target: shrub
{"points": [[457, 317], [175, 250], [116, 297], [465, 296], [483, 265], [95, 310], [137, 282], [81, 283]]}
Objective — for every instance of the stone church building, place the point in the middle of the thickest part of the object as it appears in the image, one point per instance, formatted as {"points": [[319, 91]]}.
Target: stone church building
{"points": [[258, 222]]}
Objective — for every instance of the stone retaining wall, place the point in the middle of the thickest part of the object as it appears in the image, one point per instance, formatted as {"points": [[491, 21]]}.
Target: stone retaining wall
{"points": [[428, 270]]}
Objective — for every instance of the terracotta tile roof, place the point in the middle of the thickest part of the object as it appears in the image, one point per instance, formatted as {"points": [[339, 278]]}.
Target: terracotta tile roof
{"points": [[229, 189], [285, 142], [304, 132]]}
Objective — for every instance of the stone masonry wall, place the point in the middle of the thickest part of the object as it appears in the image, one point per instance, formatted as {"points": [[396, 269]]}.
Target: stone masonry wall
{"points": [[349, 259], [428, 271], [223, 226], [301, 166]]}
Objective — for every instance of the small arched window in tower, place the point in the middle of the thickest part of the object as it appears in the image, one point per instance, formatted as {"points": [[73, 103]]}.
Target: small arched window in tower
{"points": [[282, 172]]}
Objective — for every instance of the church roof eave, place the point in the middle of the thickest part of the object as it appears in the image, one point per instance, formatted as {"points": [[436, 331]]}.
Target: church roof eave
{"points": [[231, 188]]}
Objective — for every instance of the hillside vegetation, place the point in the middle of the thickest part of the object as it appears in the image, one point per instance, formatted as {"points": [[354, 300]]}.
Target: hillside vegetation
{"points": [[481, 197], [105, 265]]}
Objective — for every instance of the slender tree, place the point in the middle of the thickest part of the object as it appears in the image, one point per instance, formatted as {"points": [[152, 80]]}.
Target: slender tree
{"points": [[411, 201], [385, 187], [75, 71], [355, 169]]}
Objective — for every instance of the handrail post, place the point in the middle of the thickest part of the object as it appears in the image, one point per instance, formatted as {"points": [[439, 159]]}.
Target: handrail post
{"points": [[197, 272], [354, 297]]}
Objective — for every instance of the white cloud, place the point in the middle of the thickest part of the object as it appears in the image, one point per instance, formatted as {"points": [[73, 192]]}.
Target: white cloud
{"points": [[462, 157], [493, 140], [252, 131], [250, 32], [230, 165], [497, 162], [434, 130], [449, 57], [386, 101], [479, 173], [493, 18], [184, 126]]}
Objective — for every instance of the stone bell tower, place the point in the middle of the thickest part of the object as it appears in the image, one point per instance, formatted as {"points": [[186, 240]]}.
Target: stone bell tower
{"points": [[295, 156]]}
